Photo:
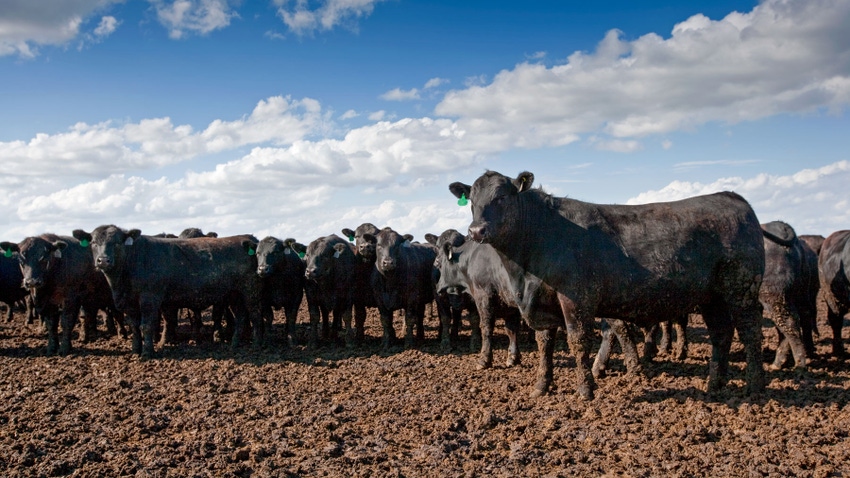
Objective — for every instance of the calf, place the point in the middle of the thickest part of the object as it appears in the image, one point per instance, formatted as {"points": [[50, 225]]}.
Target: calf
{"points": [[365, 265], [147, 274], [835, 284], [58, 270], [787, 291], [329, 274], [402, 280], [282, 273], [642, 264]]}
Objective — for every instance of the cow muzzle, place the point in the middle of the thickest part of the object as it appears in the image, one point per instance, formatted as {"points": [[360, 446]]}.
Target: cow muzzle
{"points": [[263, 270], [33, 282], [103, 263], [388, 265], [478, 232]]}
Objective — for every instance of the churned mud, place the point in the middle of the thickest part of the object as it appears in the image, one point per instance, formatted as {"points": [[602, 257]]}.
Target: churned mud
{"points": [[202, 410]]}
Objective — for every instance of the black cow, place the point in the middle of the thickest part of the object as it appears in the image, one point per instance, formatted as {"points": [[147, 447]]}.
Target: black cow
{"points": [[330, 265], [477, 269], [365, 253], [642, 264], [282, 272], [194, 233], [789, 291], [11, 281], [835, 284], [60, 273], [402, 280], [147, 274]]}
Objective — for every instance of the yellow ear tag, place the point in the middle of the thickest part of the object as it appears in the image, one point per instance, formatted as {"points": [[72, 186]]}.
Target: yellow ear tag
{"points": [[462, 201]]}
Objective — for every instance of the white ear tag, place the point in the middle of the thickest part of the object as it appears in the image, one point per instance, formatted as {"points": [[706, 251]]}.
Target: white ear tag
{"points": [[129, 241], [57, 254], [336, 255], [287, 251], [406, 244]]}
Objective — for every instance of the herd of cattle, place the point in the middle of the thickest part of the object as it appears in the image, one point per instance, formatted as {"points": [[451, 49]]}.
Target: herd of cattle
{"points": [[528, 257]]}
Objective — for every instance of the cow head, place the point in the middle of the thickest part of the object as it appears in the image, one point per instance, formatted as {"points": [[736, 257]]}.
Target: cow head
{"points": [[365, 248], [495, 202], [322, 255], [37, 256], [449, 279], [388, 245], [195, 232], [109, 245], [272, 255]]}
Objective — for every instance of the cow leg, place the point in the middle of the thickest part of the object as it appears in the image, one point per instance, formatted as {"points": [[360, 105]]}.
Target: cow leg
{"points": [[255, 318], [475, 329], [836, 321], [627, 345], [315, 316], [680, 347], [444, 311], [51, 322], [513, 324], [89, 324], [720, 332], [600, 363], [291, 312], [665, 343], [486, 322], [134, 321], [359, 323], [650, 349], [387, 326], [748, 324], [787, 322], [579, 324], [545, 351], [70, 316], [150, 314], [345, 312], [419, 311], [409, 323]]}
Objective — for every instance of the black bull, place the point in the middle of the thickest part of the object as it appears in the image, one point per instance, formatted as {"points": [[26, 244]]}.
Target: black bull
{"points": [[642, 264]]}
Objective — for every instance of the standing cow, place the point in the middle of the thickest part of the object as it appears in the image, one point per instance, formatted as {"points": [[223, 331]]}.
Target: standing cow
{"points": [[147, 274], [329, 274], [282, 273], [642, 264], [789, 291], [835, 284], [402, 280], [365, 265], [58, 270]]}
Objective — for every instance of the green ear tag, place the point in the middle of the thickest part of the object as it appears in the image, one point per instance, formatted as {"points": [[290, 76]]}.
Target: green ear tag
{"points": [[351, 238], [84, 243], [301, 255], [251, 251], [462, 201], [8, 253]]}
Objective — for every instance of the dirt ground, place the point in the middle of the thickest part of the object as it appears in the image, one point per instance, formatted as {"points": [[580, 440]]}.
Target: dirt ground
{"points": [[201, 410]]}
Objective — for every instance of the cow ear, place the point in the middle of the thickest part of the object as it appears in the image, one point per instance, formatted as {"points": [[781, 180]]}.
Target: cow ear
{"points": [[82, 236], [432, 239], [348, 233], [524, 181], [250, 247], [57, 248], [408, 237], [460, 189], [8, 248], [340, 248], [212, 234]]}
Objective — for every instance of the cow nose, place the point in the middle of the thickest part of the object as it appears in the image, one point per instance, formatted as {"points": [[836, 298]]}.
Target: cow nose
{"points": [[388, 264], [310, 273], [478, 233], [263, 270]]}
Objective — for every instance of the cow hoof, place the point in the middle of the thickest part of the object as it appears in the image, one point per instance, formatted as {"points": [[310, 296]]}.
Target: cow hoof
{"points": [[483, 365], [584, 392], [598, 372], [512, 361]]}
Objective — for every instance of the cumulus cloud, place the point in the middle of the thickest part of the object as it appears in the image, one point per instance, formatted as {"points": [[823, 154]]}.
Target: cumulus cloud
{"points": [[785, 56], [27, 24], [195, 16], [397, 94], [790, 198], [106, 148], [303, 19]]}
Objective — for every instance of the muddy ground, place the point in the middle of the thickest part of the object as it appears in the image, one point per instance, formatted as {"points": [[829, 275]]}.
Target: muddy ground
{"points": [[201, 410]]}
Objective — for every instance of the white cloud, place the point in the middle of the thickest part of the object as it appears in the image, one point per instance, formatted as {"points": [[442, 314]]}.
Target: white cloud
{"points": [[348, 115], [196, 16], [106, 27], [104, 148], [397, 94], [435, 82], [791, 198], [666, 144], [27, 24], [616, 145], [786, 56], [302, 19], [377, 115]]}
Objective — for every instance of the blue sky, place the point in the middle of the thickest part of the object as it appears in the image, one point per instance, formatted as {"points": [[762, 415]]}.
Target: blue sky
{"points": [[299, 118]]}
